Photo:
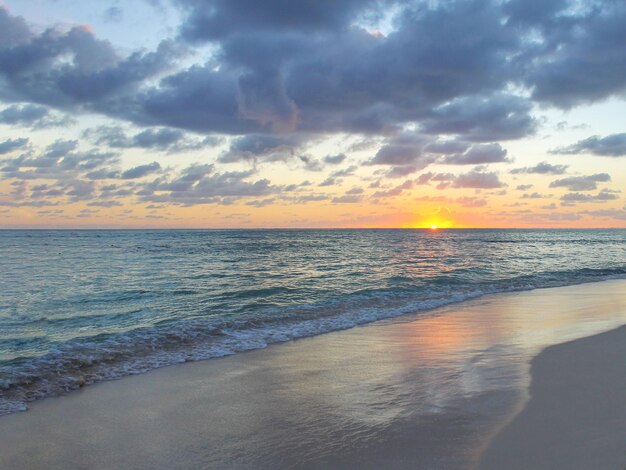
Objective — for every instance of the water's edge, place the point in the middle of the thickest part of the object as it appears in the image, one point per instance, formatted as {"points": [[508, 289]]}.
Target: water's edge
{"points": [[86, 363]]}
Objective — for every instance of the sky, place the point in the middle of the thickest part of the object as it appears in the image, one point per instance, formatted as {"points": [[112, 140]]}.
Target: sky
{"points": [[315, 113]]}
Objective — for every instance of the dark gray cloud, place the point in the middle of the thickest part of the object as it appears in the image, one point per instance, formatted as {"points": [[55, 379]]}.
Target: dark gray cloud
{"points": [[214, 19], [116, 137], [141, 171], [311, 163], [261, 147], [163, 139], [334, 159], [613, 145], [543, 168], [32, 115], [578, 59], [581, 183], [426, 178], [311, 68], [208, 188], [447, 147], [401, 171], [475, 179], [404, 149], [478, 154], [67, 68], [482, 118], [10, 145]]}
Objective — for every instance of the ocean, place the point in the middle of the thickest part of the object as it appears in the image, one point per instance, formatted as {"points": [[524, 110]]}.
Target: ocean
{"points": [[78, 307]]}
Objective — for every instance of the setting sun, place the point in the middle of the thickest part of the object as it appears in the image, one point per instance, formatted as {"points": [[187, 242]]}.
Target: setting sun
{"points": [[433, 227]]}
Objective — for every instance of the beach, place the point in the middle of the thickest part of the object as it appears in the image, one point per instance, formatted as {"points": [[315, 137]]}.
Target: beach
{"points": [[575, 418], [429, 390]]}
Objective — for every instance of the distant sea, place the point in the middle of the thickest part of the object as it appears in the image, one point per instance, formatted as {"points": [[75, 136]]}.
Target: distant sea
{"points": [[78, 307]]}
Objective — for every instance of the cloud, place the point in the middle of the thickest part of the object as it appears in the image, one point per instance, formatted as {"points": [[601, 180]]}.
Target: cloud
{"points": [[66, 68], [211, 20], [198, 184], [32, 115], [261, 147], [447, 147], [404, 149], [602, 196], [318, 69], [11, 145], [105, 203], [141, 171], [543, 168], [613, 145], [261, 202], [536, 195], [477, 180], [163, 139], [577, 59], [482, 118], [444, 82], [581, 183], [403, 170], [347, 199], [334, 159], [396, 191], [426, 178], [478, 154], [114, 136]]}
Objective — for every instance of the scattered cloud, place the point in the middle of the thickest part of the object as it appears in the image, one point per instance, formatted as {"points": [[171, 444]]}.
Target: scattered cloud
{"points": [[543, 168], [613, 145], [581, 183], [478, 154], [10, 145]]}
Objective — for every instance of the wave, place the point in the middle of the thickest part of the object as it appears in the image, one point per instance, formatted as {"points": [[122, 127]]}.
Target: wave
{"points": [[83, 361]]}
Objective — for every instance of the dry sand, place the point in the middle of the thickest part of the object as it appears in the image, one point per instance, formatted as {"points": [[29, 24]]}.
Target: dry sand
{"points": [[424, 391], [576, 417]]}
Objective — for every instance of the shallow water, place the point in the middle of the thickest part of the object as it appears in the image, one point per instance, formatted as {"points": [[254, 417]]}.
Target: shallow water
{"points": [[77, 307]]}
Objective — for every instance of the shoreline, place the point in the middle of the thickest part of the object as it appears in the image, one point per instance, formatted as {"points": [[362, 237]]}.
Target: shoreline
{"points": [[62, 382], [574, 418], [393, 392]]}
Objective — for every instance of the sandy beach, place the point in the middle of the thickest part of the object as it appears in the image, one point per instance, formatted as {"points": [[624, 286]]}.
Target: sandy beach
{"points": [[421, 391], [576, 417]]}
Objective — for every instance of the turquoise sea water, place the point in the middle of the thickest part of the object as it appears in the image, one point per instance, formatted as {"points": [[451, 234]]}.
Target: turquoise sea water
{"points": [[77, 307]]}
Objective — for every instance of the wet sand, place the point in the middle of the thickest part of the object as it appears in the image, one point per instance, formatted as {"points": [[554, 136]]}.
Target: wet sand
{"points": [[421, 391], [576, 416]]}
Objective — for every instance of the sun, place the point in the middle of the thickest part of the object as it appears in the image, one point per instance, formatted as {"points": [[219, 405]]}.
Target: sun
{"points": [[433, 227]]}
